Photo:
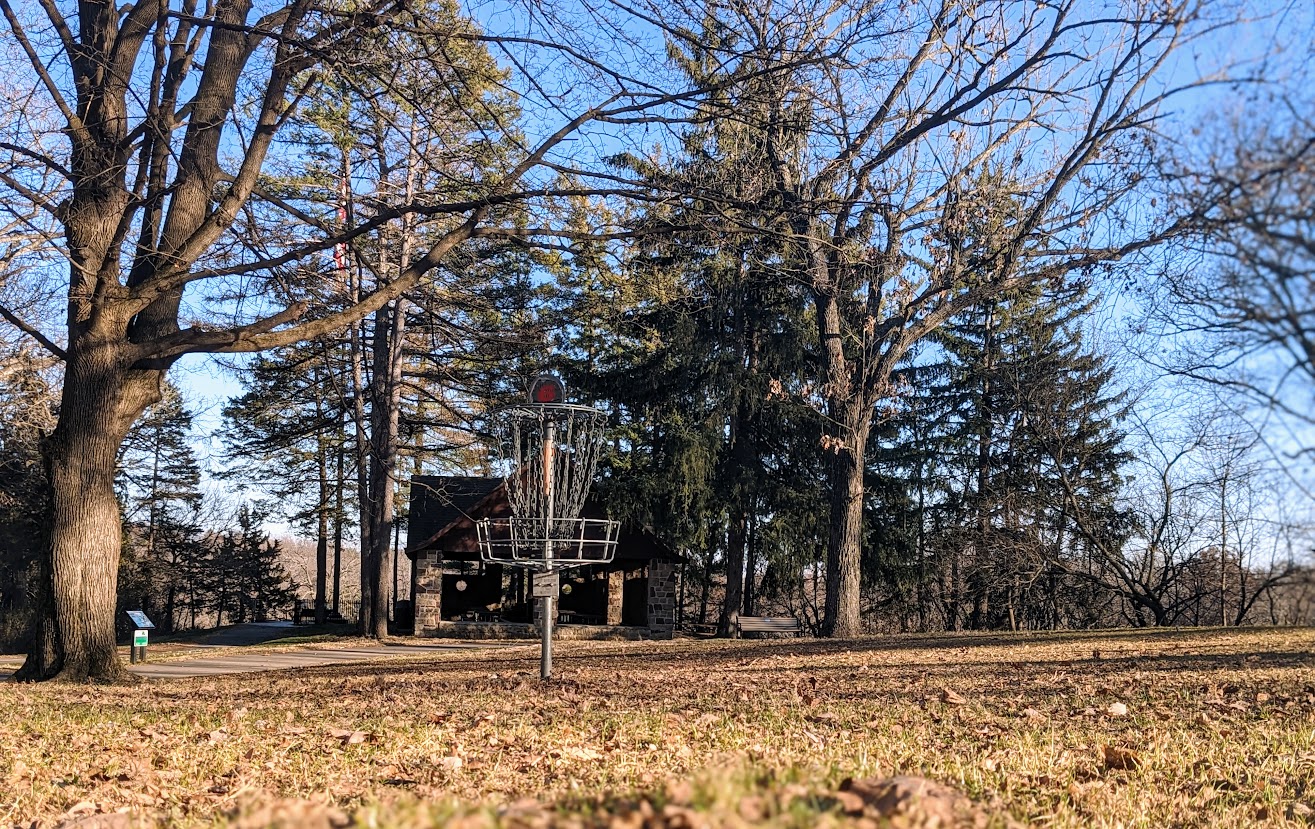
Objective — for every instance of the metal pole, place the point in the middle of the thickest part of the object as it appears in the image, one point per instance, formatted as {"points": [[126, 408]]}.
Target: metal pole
{"points": [[549, 602], [545, 652]]}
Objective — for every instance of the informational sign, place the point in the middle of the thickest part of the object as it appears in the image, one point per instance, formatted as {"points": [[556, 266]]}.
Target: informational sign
{"points": [[139, 638], [545, 585], [140, 621]]}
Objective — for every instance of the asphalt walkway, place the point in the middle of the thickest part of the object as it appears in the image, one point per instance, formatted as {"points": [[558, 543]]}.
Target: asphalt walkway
{"points": [[242, 663], [255, 633]]}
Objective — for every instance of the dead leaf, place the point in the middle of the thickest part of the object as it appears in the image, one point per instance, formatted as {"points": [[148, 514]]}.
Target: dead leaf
{"points": [[451, 762], [82, 807], [1117, 709], [913, 801], [1120, 759], [949, 697], [349, 736]]}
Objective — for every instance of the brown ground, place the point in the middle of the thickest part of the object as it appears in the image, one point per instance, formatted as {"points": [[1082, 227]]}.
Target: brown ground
{"points": [[1166, 728]]}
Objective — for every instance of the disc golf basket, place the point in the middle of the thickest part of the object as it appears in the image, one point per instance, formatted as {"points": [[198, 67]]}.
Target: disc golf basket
{"points": [[551, 450]]}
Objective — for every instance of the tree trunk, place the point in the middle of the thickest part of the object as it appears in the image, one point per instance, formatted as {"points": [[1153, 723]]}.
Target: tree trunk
{"points": [[385, 405], [750, 569], [339, 514], [100, 402], [736, 538], [844, 549], [364, 623], [322, 531]]}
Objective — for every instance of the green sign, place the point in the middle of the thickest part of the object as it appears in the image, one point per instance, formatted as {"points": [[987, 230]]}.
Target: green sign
{"points": [[139, 638]]}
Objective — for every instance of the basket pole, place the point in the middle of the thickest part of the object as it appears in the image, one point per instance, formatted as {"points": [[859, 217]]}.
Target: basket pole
{"points": [[549, 602]]}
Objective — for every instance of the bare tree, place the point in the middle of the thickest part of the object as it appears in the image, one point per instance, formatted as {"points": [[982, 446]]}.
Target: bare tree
{"points": [[158, 125], [1243, 308], [944, 153]]}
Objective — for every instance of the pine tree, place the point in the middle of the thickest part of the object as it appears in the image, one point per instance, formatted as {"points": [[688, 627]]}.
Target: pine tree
{"points": [[27, 399], [248, 580], [698, 339], [289, 428], [1015, 380], [427, 130], [159, 486]]}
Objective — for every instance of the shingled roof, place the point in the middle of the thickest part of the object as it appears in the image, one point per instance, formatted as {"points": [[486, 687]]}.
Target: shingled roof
{"points": [[439, 500], [445, 507]]}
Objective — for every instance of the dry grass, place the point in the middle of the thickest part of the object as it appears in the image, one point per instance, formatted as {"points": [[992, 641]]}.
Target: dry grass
{"points": [[1187, 728]]}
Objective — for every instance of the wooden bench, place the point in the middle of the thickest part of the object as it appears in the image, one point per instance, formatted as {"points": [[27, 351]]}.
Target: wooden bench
{"points": [[767, 624]]}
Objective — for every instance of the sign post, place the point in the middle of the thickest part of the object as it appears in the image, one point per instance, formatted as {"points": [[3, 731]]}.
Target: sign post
{"points": [[545, 590], [140, 636]]}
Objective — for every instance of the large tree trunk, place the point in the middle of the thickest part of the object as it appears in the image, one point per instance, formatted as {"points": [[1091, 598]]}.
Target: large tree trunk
{"points": [[844, 550], [100, 403], [736, 538], [385, 406], [850, 419]]}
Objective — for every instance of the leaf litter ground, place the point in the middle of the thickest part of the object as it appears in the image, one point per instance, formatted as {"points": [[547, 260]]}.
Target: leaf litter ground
{"points": [[1163, 728]]}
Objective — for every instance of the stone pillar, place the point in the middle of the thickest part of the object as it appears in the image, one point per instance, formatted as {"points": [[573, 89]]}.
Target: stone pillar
{"points": [[616, 591], [429, 592], [662, 592]]}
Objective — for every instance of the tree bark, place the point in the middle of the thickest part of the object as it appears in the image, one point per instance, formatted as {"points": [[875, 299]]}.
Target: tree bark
{"points": [[735, 541], [844, 550], [385, 405], [322, 530], [100, 402]]}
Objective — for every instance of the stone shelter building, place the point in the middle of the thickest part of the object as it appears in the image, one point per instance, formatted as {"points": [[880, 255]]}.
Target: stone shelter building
{"points": [[454, 593]]}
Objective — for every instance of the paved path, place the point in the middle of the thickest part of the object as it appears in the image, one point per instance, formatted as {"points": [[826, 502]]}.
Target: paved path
{"points": [[250, 633], [254, 633], [242, 663]]}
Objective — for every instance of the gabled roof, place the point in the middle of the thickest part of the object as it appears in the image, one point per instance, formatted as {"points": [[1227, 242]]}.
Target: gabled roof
{"points": [[438, 501], [444, 509]]}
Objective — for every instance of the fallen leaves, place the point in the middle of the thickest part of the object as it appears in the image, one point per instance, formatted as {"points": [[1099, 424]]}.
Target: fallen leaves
{"points": [[950, 697], [1120, 759], [913, 801], [1028, 720], [350, 737]]}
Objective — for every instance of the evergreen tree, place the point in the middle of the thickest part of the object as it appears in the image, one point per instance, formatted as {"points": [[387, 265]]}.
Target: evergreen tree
{"points": [[159, 486], [1016, 380], [288, 428], [248, 580], [26, 399], [429, 130], [697, 340]]}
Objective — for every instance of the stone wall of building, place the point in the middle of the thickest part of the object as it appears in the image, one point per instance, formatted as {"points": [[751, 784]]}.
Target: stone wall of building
{"points": [[616, 586], [663, 589], [429, 593]]}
